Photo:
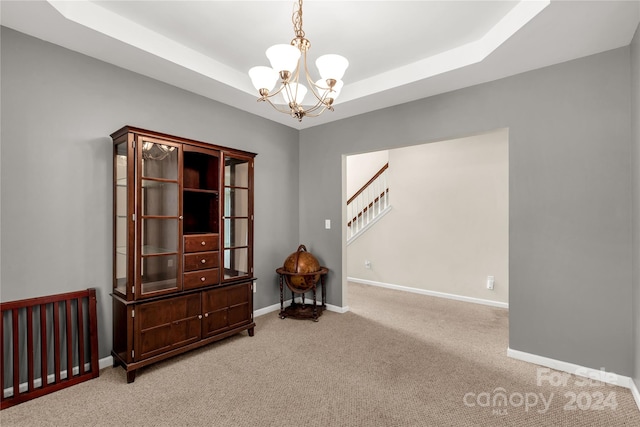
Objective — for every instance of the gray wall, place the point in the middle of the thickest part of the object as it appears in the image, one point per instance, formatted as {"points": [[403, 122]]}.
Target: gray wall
{"points": [[635, 111], [570, 180], [570, 211], [58, 110]]}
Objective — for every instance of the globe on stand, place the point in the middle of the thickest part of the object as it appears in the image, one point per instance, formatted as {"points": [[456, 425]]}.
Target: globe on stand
{"points": [[304, 264]]}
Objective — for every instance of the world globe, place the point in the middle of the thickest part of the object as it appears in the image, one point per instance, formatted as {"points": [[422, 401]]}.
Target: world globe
{"points": [[300, 267]]}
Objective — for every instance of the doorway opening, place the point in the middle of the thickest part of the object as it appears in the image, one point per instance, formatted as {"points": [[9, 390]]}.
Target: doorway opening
{"points": [[448, 232]]}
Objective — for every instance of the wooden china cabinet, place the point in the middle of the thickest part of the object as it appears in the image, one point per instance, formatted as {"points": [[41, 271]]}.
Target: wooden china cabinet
{"points": [[183, 246]]}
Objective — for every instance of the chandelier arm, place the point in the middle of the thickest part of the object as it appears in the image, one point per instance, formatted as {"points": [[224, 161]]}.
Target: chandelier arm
{"points": [[296, 78], [289, 96], [320, 98], [275, 107], [312, 86], [310, 113], [272, 94], [317, 106], [319, 92]]}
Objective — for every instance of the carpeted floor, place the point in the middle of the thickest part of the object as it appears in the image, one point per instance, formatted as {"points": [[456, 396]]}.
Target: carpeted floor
{"points": [[397, 359]]}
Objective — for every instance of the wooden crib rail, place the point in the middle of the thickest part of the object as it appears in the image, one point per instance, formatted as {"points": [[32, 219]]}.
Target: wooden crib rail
{"points": [[38, 333]]}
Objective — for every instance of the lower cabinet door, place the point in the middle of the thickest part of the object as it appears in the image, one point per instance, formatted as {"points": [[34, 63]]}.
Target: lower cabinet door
{"points": [[226, 308], [239, 299], [161, 326]]}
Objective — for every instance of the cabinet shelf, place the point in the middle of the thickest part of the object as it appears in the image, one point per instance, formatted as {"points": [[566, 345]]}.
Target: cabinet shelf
{"points": [[159, 285], [155, 250], [201, 190], [237, 247], [148, 182]]}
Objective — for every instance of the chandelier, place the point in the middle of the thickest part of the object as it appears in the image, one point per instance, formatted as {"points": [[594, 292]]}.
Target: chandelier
{"points": [[288, 61]]}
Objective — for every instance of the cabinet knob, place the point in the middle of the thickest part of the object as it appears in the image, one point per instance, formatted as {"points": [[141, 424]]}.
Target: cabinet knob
{"points": [[180, 217], [203, 243], [200, 316], [202, 279], [204, 261], [206, 315]]}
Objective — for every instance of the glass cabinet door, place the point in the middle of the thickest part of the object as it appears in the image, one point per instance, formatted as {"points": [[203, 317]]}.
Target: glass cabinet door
{"points": [[159, 216], [121, 172], [237, 218]]}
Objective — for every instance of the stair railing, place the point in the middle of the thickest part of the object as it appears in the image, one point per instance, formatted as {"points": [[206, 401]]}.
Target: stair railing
{"points": [[368, 203]]}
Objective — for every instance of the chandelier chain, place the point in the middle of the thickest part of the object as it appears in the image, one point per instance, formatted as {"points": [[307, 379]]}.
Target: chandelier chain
{"points": [[297, 21]]}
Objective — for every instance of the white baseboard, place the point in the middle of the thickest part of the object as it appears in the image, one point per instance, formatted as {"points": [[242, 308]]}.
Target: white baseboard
{"points": [[636, 393], [106, 362], [571, 368], [430, 293], [266, 310], [337, 309]]}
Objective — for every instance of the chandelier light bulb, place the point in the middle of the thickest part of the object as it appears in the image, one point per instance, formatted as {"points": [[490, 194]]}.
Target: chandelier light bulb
{"points": [[283, 57], [263, 78], [332, 66]]}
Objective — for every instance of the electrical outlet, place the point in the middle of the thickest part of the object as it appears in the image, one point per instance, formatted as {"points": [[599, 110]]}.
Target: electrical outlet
{"points": [[490, 281], [255, 286], [367, 264]]}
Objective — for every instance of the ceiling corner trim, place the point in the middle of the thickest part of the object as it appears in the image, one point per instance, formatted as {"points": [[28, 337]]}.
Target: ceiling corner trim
{"points": [[124, 30], [99, 19], [459, 57]]}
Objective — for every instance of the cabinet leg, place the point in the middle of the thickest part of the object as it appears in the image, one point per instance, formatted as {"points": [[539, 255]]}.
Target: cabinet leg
{"points": [[251, 332], [131, 376]]}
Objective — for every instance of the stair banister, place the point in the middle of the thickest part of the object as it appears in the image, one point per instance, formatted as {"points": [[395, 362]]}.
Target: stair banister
{"points": [[368, 203]]}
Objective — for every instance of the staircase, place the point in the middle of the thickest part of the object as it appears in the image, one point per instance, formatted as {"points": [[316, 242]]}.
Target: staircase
{"points": [[368, 204]]}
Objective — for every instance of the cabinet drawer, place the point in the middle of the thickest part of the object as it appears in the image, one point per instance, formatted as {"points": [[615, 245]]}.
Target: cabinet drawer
{"points": [[199, 278], [201, 242], [201, 261]]}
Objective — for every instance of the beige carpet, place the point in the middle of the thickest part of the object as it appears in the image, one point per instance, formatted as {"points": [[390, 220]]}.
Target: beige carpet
{"points": [[397, 359]]}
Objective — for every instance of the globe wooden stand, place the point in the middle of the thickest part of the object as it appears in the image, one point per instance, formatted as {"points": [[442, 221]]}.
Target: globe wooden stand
{"points": [[303, 311]]}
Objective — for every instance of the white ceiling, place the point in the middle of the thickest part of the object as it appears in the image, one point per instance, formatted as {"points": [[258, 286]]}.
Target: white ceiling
{"points": [[398, 51]]}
